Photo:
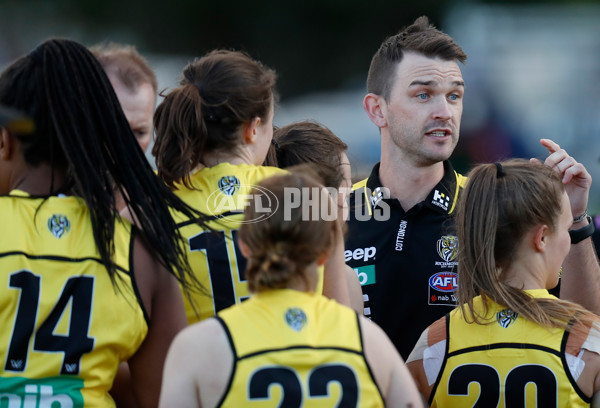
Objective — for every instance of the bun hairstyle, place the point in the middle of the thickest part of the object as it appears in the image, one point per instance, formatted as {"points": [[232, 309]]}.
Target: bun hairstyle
{"points": [[283, 245], [218, 93], [499, 205]]}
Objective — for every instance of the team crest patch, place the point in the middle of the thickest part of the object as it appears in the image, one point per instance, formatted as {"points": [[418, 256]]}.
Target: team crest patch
{"points": [[506, 317], [295, 318], [447, 247], [59, 225], [229, 185]]}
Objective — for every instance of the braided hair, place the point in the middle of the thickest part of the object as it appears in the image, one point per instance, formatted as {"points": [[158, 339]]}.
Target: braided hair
{"points": [[82, 132]]}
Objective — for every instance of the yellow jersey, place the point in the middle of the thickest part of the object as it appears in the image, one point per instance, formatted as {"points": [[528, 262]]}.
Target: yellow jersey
{"points": [[221, 192], [296, 349], [508, 363], [67, 327]]}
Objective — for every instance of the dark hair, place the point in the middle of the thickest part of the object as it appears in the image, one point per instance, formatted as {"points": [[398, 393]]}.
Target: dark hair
{"points": [[219, 92], [420, 37], [82, 131], [499, 204], [309, 142], [285, 243], [126, 63]]}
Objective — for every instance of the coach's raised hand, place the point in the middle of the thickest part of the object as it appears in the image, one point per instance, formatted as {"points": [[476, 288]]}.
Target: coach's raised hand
{"points": [[580, 280], [575, 177]]}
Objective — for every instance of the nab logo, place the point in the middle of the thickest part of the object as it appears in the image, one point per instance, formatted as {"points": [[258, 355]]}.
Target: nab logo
{"points": [[46, 396], [444, 281], [360, 253]]}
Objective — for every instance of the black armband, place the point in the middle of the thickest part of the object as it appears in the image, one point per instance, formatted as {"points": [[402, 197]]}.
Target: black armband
{"points": [[580, 234]]}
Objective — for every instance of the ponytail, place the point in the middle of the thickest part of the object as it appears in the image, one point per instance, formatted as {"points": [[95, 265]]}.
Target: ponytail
{"points": [[499, 205], [179, 122]]}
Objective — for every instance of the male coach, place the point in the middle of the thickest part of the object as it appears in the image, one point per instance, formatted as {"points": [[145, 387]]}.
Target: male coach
{"points": [[400, 237]]}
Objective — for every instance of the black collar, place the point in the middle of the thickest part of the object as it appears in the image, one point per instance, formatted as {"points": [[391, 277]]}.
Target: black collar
{"points": [[441, 199]]}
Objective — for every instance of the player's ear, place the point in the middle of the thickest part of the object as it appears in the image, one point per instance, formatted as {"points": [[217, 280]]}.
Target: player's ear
{"points": [[6, 144], [539, 238], [375, 106], [250, 130], [244, 248]]}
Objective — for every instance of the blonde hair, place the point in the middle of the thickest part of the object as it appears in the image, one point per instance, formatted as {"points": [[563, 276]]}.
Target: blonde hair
{"points": [[499, 204], [284, 244]]}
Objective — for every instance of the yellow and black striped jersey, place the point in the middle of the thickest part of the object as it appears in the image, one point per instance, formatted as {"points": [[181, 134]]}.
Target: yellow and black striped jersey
{"points": [[506, 363], [296, 349], [221, 192], [66, 326]]}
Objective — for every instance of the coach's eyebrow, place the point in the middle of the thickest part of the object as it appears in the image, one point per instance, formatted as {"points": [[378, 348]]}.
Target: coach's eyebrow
{"points": [[418, 82]]}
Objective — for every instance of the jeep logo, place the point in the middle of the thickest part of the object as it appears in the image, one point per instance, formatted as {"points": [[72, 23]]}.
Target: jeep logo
{"points": [[363, 254]]}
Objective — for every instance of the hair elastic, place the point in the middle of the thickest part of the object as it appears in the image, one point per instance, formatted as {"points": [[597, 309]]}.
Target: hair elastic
{"points": [[200, 89], [499, 171]]}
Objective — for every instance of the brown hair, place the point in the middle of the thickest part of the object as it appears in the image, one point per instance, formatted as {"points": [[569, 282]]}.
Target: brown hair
{"points": [[309, 142], [499, 204], [126, 64], [282, 245], [420, 37], [218, 93]]}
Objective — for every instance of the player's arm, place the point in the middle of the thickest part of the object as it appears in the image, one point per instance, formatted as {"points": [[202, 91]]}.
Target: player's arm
{"points": [[335, 281], [162, 299], [580, 280], [201, 380], [355, 291], [390, 372]]}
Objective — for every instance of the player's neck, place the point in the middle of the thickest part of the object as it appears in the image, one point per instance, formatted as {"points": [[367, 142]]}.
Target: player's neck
{"points": [[39, 180], [407, 183], [236, 157]]}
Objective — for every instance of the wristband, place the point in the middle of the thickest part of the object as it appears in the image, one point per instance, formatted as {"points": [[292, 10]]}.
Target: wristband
{"points": [[580, 234]]}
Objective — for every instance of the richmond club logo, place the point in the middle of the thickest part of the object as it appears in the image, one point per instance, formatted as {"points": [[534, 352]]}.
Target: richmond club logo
{"points": [[447, 247], [506, 317], [295, 318], [59, 225], [229, 185]]}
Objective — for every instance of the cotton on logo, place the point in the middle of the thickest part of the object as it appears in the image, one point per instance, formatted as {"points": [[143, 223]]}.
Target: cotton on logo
{"points": [[444, 281]]}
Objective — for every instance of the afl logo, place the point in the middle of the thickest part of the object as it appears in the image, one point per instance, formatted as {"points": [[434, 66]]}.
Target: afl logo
{"points": [[447, 247], [229, 185], [444, 281], [59, 225]]}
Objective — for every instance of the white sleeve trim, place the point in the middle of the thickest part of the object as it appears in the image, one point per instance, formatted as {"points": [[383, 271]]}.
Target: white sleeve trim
{"points": [[592, 342], [575, 364]]}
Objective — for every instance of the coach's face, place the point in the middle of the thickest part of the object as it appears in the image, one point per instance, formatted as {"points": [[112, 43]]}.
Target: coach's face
{"points": [[424, 109]]}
